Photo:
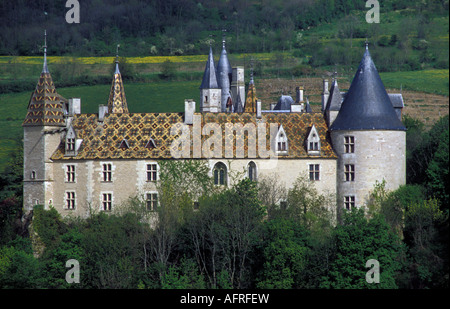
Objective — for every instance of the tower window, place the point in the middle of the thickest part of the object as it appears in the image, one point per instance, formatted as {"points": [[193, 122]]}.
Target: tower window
{"points": [[106, 201], [33, 175], [349, 202], [349, 144], [314, 172], [70, 200], [349, 171]]}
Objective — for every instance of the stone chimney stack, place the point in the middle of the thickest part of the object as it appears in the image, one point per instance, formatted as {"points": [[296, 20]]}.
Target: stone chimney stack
{"points": [[325, 94]]}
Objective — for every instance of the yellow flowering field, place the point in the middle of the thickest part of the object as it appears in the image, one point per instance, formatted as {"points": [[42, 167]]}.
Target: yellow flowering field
{"points": [[132, 60]]}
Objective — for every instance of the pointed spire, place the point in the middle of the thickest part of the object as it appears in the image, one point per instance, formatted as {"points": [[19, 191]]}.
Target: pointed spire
{"points": [[117, 102], [209, 76], [117, 71], [367, 105], [45, 68], [45, 107], [250, 102], [335, 99], [238, 107]]}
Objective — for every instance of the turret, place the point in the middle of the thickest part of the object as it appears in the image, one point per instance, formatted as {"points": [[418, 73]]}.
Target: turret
{"points": [[224, 75], [43, 127], [368, 138], [210, 92]]}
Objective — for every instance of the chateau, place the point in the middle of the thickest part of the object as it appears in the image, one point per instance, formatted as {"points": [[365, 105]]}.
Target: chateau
{"points": [[75, 162]]}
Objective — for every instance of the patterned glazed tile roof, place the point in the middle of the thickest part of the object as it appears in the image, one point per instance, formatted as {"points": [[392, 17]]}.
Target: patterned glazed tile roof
{"points": [[46, 105], [105, 140], [117, 102], [250, 102]]}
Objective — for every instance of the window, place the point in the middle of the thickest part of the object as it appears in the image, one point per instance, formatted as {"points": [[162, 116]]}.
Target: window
{"points": [[281, 142], [349, 202], [313, 146], [196, 205], [106, 201], [252, 171], [70, 173], [220, 174], [71, 144], [152, 172], [107, 172], [152, 201], [313, 142], [314, 172], [70, 200], [349, 172], [33, 175], [349, 144]]}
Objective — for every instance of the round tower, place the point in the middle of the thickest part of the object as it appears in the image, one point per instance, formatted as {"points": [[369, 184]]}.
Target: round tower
{"points": [[369, 139]]}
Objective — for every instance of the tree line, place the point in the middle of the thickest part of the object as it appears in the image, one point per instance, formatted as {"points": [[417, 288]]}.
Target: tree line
{"points": [[172, 27], [202, 236]]}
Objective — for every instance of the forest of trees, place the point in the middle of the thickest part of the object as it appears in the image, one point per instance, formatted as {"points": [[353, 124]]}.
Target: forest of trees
{"points": [[174, 27], [238, 237]]}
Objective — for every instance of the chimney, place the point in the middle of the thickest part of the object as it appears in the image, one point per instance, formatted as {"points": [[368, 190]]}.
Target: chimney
{"points": [[102, 111], [189, 110], [299, 94], [325, 94], [258, 109], [74, 106]]}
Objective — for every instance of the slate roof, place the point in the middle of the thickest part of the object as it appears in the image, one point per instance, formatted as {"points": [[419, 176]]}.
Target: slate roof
{"points": [[103, 140], [367, 105], [209, 76], [284, 103]]}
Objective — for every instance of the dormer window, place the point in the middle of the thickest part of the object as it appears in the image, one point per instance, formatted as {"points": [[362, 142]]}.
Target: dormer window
{"points": [[282, 144], [313, 142], [72, 143]]}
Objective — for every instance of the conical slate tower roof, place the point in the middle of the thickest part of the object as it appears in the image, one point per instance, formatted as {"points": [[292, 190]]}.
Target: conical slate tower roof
{"points": [[117, 102], [46, 105], [209, 76], [335, 99], [367, 105], [224, 69]]}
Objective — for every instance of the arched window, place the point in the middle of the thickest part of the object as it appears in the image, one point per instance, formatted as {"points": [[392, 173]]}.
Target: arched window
{"points": [[220, 174], [251, 171]]}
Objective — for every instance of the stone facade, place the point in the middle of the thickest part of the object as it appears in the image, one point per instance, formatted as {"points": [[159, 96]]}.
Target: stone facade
{"points": [[83, 163]]}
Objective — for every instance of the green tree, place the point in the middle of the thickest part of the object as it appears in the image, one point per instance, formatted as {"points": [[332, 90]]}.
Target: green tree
{"points": [[357, 240], [426, 234], [284, 254], [437, 171]]}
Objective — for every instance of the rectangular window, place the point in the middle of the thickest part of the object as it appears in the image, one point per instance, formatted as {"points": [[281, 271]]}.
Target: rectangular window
{"points": [[314, 172], [349, 172], [349, 144], [70, 200], [107, 201], [71, 144], [107, 172], [152, 172], [281, 146], [349, 202], [152, 201], [70, 173]]}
